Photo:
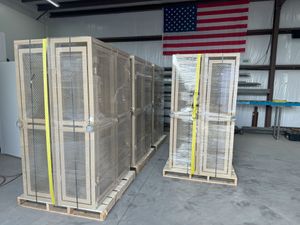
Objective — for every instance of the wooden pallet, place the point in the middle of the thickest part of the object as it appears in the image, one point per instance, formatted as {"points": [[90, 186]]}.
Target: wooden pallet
{"points": [[99, 214], [140, 165], [184, 175], [159, 142]]}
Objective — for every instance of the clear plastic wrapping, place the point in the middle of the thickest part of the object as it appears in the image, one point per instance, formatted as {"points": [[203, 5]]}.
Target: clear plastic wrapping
{"points": [[142, 81], [215, 113], [158, 103], [183, 86], [90, 103]]}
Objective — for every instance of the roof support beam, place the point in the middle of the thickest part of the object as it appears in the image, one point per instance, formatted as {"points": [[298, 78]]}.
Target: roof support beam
{"points": [[103, 11], [123, 9], [26, 1], [87, 3], [159, 37], [260, 67]]}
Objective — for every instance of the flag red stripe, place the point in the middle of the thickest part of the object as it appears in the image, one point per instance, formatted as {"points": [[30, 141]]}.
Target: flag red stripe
{"points": [[204, 51], [180, 37], [201, 44], [237, 26], [220, 20], [227, 11], [208, 5]]}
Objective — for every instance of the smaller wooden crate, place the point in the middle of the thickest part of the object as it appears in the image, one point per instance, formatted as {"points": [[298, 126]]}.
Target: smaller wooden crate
{"points": [[140, 164], [184, 175], [99, 214]]}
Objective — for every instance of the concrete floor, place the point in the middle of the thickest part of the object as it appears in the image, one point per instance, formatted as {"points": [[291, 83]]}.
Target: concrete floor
{"points": [[268, 192]]}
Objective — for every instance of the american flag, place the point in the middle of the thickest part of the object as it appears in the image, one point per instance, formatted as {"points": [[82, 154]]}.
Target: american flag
{"points": [[219, 27]]}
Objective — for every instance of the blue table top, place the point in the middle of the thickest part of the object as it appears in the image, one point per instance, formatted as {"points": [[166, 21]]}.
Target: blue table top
{"points": [[268, 103]]}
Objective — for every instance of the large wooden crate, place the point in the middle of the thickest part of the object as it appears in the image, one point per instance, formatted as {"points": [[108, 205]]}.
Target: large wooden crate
{"points": [[142, 110], [90, 102], [158, 106], [215, 117]]}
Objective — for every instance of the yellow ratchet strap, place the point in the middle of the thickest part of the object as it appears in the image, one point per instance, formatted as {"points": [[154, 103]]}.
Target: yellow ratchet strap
{"points": [[194, 114], [47, 121]]}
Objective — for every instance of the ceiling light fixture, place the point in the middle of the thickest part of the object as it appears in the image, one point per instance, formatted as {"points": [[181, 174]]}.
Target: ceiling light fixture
{"points": [[53, 3]]}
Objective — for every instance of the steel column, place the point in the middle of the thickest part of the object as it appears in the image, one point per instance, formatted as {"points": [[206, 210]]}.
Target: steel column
{"points": [[274, 44]]}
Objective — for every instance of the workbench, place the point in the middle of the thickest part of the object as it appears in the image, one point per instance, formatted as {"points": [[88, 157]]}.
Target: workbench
{"points": [[278, 111]]}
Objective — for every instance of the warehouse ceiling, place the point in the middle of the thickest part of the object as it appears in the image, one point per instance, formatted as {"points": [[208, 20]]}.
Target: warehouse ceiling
{"points": [[70, 8]]}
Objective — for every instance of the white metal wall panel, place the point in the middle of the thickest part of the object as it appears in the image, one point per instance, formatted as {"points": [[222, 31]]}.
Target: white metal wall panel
{"points": [[260, 15], [244, 112], [288, 49], [9, 132], [257, 52], [290, 14]]}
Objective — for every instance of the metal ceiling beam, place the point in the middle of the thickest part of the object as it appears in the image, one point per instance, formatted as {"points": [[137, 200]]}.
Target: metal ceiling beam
{"points": [[26, 1], [258, 67], [287, 67], [132, 38], [159, 38], [254, 67], [114, 10], [124, 9], [87, 3], [267, 67]]}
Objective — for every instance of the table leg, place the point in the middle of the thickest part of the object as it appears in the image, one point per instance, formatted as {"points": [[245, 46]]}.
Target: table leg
{"points": [[278, 123], [275, 122]]}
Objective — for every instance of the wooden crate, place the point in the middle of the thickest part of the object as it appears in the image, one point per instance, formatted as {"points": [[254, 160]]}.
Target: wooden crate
{"points": [[90, 109], [215, 116], [142, 110], [100, 213], [158, 106]]}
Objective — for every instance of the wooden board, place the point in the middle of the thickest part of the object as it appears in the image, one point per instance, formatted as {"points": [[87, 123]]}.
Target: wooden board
{"points": [[184, 175], [140, 164], [159, 142], [100, 213]]}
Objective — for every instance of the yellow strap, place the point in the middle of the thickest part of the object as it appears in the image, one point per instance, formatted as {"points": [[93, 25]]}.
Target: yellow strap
{"points": [[47, 122], [194, 114]]}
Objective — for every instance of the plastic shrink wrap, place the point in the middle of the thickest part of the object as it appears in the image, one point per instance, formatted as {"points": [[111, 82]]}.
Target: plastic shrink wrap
{"points": [[158, 104], [216, 104], [89, 105], [142, 81]]}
